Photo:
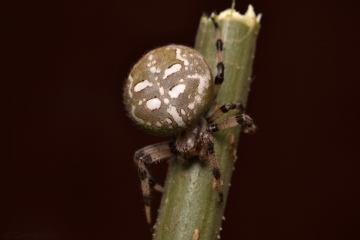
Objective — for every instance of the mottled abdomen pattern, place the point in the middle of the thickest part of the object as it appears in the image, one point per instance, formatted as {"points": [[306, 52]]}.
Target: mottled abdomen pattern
{"points": [[168, 90]]}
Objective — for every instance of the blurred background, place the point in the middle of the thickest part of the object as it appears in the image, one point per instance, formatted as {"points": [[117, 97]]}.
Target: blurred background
{"points": [[67, 145]]}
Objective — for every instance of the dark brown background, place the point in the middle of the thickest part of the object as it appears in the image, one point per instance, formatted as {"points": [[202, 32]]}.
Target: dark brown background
{"points": [[67, 145]]}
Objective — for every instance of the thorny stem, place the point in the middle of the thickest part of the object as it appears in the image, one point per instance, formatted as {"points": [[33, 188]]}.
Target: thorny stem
{"points": [[190, 207]]}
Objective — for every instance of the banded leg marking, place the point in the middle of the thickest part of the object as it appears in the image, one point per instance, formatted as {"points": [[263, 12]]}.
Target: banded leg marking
{"points": [[208, 154], [219, 78], [224, 109], [143, 158], [243, 120]]}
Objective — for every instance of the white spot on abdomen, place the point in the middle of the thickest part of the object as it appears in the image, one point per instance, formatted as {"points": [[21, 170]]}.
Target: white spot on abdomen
{"points": [[153, 104], [142, 85], [153, 69], [177, 90], [181, 58], [130, 85], [203, 81], [175, 115], [191, 105], [173, 69], [134, 116], [198, 98]]}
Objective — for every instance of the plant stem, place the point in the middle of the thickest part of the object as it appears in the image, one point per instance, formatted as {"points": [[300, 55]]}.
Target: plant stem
{"points": [[190, 205]]}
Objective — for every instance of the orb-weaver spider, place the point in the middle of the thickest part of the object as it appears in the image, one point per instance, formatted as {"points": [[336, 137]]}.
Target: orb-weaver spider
{"points": [[169, 92]]}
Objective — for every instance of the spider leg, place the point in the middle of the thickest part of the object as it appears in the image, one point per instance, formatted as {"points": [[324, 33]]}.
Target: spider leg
{"points": [[219, 78], [207, 154], [144, 157], [224, 109], [243, 120]]}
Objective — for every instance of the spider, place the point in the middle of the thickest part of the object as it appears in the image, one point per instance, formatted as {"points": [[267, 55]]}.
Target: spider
{"points": [[168, 93]]}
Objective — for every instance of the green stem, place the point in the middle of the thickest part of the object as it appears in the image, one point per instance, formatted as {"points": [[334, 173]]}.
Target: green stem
{"points": [[190, 205]]}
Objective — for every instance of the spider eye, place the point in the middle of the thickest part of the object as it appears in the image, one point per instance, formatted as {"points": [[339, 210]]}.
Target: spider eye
{"points": [[180, 79]]}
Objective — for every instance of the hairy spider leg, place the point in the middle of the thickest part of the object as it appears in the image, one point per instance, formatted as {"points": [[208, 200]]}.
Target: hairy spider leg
{"points": [[144, 157], [208, 154], [245, 121], [219, 78], [224, 109]]}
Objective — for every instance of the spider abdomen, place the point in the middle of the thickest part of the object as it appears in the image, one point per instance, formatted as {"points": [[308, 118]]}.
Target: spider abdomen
{"points": [[168, 90]]}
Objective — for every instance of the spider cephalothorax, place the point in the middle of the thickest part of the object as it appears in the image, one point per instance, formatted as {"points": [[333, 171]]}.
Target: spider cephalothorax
{"points": [[168, 92]]}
